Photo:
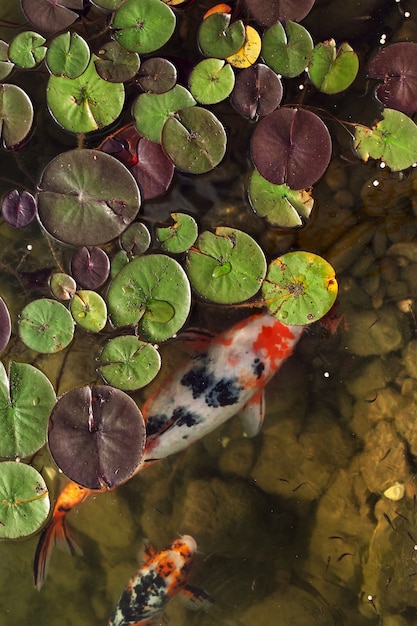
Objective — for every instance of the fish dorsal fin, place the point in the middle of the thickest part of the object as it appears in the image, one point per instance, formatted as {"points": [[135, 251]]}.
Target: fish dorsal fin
{"points": [[252, 414], [195, 598]]}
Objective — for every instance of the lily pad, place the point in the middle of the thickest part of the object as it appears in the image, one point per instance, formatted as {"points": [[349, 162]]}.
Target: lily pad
{"points": [[116, 64], [157, 75], [18, 209], [180, 235], [26, 49], [26, 400], [136, 239], [153, 169], [86, 197], [24, 500], [299, 288], [267, 13], [218, 37], [119, 260], [89, 310], [16, 115], [46, 326], [194, 140], [90, 268], [257, 91], [278, 204], [250, 50], [287, 50], [86, 103], [128, 363], [393, 139], [211, 81], [153, 293], [96, 436], [396, 65], [143, 25], [68, 55], [62, 286], [331, 70], [6, 66], [226, 267], [5, 325], [51, 16]]}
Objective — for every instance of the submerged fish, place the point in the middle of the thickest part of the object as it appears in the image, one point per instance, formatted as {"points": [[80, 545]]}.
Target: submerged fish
{"points": [[162, 576], [227, 377]]}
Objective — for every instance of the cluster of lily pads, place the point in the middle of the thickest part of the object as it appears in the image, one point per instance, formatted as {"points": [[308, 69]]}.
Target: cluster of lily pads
{"points": [[140, 295]]}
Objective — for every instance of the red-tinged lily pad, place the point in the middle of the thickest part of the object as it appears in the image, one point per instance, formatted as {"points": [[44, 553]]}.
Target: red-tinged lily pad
{"points": [[278, 204], [5, 325], [136, 239], [115, 64], [257, 91], [26, 49], [46, 326], [51, 16], [218, 37], [299, 288], [153, 170], [157, 75], [62, 286], [86, 197], [291, 146], [96, 436], [68, 55], [396, 65], [123, 145], [18, 209], [128, 363], [267, 13], [90, 268], [16, 115], [143, 25], [194, 140], [287, 50]]}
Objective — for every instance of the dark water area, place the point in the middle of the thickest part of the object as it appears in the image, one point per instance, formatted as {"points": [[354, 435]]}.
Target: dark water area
{"points": [[314, 521]]}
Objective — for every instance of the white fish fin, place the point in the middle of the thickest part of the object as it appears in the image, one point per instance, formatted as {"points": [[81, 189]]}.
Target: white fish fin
{"points": [[195, 598], [252, 414]]}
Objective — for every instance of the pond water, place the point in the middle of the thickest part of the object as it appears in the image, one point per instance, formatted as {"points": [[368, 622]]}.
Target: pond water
{"points": [[314, 521]]}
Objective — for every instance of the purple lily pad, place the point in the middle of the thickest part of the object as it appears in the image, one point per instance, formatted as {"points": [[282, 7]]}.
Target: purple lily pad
{"points": [[18, 209], [257, 91], [396, 65], [154, 169], [268, 12], [51, 15], [90, 268]]}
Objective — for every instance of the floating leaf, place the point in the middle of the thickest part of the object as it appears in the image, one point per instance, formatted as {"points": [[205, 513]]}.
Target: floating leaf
{"points": [[6, 66], [180, 236], [257, 91], [46, 326], [194, 140], [17, 209], [86, 197], [24, 500], [331, 70], [89, 310], [219, 38], [123, 145], [143, 25], [226, 267], [267, 13], [26, 49], [249, 52], [152, 110], [218, 8], [396, 65], [393, 139], [51, 16], [26, 400], [68, 55], [291, 146], [90, 268], [115, 64], [136, 239], [62, 286], [287, 50], [128, 363], [211, 81], [157, 75], [299, 288], [119, 260], [278, 204], [5, 325], [153, 169], [96, 436], [16, 115], [153, 293], [86, 103]]}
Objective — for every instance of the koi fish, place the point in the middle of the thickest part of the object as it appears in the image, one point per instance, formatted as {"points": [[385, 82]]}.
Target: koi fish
{"points": [[162, 576], [226, 377]]}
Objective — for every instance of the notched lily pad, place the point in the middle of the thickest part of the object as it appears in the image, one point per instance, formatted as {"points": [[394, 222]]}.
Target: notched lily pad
{"points": [[157, 75], [211, 81], [218, 37], [180, 235], [136, 239], [90, 268], [396, 65], [16, 115], [62, 286], [68, 55], [287, 50], [46, 326], [26, 49], [332, 70], [89, 310], [51, 16], [6, 66], [115, 64], [257, 91], [143, 25], [153, 169], [250, 50], [128, 363], [267, 13], [18, 209]]}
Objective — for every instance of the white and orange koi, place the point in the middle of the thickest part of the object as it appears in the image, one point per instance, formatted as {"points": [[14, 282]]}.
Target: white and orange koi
{"points": [[226, 378]]}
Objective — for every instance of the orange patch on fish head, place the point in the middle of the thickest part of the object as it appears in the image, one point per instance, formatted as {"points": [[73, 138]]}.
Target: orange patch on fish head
{"points": [[274, 342]]}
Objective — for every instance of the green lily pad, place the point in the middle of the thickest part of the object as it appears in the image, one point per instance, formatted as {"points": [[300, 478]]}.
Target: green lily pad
{"points": [[87, 197], [62, 286], [211, 81], [153, 293], [26, 400], [393, 139], [24, 500], [116, 64], [136, 239], [151, 110], [278, 204], [86, 103], [194, 140], [180, 235], [46, 326], [16, 115], [219, 38], [89, 310], [68, 55], [128, 363], [331, 70], [6, 66], [226, 267], [26, 49], [287, 50], [143, 25], [299, 288], [119, 260]]}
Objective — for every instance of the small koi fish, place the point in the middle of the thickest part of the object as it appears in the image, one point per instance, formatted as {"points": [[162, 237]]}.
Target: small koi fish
{"points": [[162, 576], [227, 376]]}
